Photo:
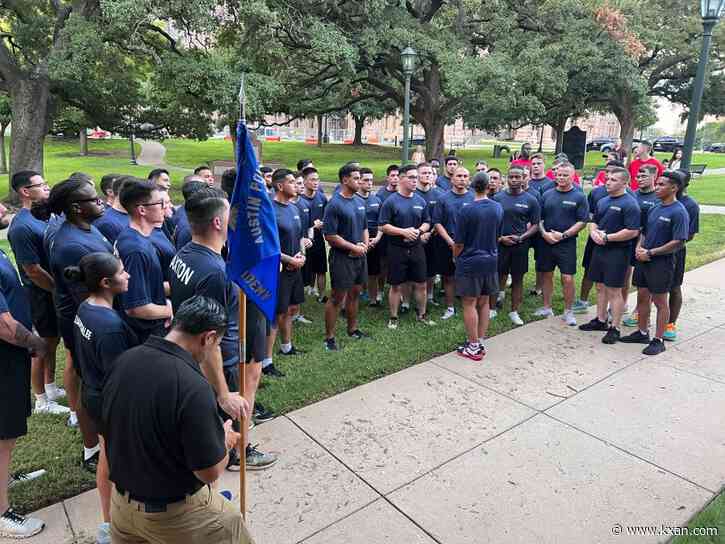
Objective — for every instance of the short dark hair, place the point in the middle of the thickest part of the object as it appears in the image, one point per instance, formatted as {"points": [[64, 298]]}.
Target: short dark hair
{"points": [[120, 181], [133, 194], [192, 186], [266, 169], [676, 177], [651, 169], [107, 182], [309, 171], [517, 167], [92, 269], [451, 158], [203, 206], [302, 164], [61, 199], [424, 163], [280, 174], [391, 168], [202, 167], [493, 170], [366, 170], [481, 162], [538, 156], [81, 176], [618, 164], [479, 183], [191, 177], [200, 314], [229, 178], [347, 171], [22, 179], [407, 168], [155, 173], [622, 172]]}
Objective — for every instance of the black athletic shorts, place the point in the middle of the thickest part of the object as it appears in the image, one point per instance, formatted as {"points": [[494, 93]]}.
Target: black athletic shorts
{"points": [[406, 264], [290, 290], [431, 248], [42, 311], [680, 258], [534, 242], [14, 391], [346, 271], [513, 260], [65, 328], [373, 258], [609, 264], [443, 258], [93, 403], [561, 256], [477, 286], [231, 376], [317, 254], [656, 275], [383, 247], [588, 251], [257, 332]]}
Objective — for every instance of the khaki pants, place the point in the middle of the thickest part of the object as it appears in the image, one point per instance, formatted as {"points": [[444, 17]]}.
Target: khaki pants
{"points": [[204, 517]]}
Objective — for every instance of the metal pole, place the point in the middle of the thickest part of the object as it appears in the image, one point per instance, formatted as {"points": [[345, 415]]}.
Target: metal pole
{"points": [[406, 122], [133, 151], [693, 117]]}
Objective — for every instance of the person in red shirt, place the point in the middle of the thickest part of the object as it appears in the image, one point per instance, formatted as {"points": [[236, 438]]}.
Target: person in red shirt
{"points": [[523, 159], [641, 158]]}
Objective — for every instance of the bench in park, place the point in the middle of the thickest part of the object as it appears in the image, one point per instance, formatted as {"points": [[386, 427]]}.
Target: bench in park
{"points": [[697, 169]]}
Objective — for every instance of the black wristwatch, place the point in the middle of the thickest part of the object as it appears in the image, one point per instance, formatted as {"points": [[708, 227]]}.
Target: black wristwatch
{"points": [[564, 235]]}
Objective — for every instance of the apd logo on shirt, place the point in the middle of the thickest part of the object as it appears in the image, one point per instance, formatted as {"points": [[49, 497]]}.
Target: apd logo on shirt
{"points": [[615, 208], [297, 217], [376, 205], [665, 219], [417, 207], [521, 205], [568, 203]]}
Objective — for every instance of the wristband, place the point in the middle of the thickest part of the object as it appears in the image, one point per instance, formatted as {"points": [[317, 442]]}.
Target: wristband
{"points": [[564, 235], [606, 238]]}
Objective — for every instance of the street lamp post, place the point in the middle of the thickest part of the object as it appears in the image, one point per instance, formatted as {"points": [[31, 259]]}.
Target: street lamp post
{"points": [[407, 57], [711, 11]]}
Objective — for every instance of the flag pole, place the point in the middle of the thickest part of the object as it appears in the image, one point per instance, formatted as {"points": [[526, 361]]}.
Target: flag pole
{"points": [[244, 426]]}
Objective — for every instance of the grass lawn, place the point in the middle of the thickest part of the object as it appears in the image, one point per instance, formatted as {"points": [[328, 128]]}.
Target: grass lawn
{"points": [[713, 515], [310, 377], [708, 190]]}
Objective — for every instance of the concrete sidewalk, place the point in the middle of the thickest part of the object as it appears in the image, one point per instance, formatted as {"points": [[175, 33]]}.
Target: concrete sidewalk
{"points": [[554, 437]]}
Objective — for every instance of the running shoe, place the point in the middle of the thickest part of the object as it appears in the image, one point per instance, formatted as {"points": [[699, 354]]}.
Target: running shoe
{"points": [[13, 525], [331, 345], [393, 323], [612, 336], [670, 332], [272, 371], [544, 312], [261, 414], [568, 318], [299, 318], [516, 319], [580, 307], [234, 464], [631, 320], [91, 464], [357, 334], [492, 314], [404, 308], [104, 533], [23, 477], [423, 320], [594, 325], [450, 312], [293, 351], [656, 346], [50, 407], [637, 337], [54, 392], [257, 460], [472, 352]]}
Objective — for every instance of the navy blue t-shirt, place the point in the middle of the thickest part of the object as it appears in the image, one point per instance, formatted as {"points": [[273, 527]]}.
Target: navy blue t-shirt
{"points": [[432, 196], [100, 335], [317, 203], [594, 196], [111, 223], [448, 209], [518, 212], [478, 229], [372, 213], [666, 223], [13, 297], [304, 209], [646, 202], [26, 240], [693, 210], [443, 183], [541, 185], [560, 210], [289, 225], [383, 193], [345, 217], [614, 213], [165, 249], [197, 270], [146, 282], [404, 212], [54, 224], [182, 231], [68, 246]]}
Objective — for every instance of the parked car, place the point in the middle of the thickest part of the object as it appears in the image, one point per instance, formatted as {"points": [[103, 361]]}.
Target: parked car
{"points": [[601, 144], [715, 148], [666, 143]]}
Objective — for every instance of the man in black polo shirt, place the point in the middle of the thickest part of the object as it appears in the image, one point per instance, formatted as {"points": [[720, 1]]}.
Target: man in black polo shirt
{"points": [[165, 441], [615, 222], [345, 229], [199, 269]]}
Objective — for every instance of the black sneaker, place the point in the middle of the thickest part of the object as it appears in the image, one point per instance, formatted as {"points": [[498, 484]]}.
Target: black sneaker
{"points": [[612, 336], [234, 464], [91, 464], [322, 299], [656, 346], [375, 304], [293, 351], [404, 308], [257, 460], [261, 414], [462, 346], [535, 293], [331, 345], [271, 370], [594, 325], [637, 337], [357, 334]]}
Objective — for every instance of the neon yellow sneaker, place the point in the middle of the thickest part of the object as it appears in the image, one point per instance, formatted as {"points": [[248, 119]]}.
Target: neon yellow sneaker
{"points": [[670, 332]]}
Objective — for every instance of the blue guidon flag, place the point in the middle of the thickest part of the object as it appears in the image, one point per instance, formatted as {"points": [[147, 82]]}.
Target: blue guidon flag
{"points": [[254, 255]]}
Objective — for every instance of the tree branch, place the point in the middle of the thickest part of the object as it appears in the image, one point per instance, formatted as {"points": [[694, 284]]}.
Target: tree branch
{"points": [[166, 35]]}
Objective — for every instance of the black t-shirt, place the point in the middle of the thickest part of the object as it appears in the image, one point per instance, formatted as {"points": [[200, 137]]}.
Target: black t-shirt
{"points": [[161, 421], [345, 217], [289, 225], [404, 212]]}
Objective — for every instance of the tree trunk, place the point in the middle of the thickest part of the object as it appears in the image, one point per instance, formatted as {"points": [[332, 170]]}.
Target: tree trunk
{"points": [[30, 120], [319, 131], [3, 158], [434, 137], [541, 139], [83, 138], [559, 130], [626, 132], [359, 124]]}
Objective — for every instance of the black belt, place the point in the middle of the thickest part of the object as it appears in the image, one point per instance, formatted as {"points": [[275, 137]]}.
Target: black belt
{"points": [[155, 506]]}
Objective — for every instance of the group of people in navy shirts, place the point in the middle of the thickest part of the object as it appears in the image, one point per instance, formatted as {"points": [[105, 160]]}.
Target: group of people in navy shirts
{"points": [[108, 272]]}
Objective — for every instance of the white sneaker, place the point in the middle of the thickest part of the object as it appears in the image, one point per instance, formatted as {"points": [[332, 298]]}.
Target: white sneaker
{"points": [[569, 318], [544, 312], [55, 393], [51, 407], [501, 296], [22, 477], [13, 525], [104, 533], [492, 314], [508, 281], [72, 420], [450, 312], [516, 319], [299, 318]]}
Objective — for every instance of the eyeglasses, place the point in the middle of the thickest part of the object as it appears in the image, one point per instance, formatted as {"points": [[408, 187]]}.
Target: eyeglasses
{"points": [[97, 199], [161, 202], [44, 184]]}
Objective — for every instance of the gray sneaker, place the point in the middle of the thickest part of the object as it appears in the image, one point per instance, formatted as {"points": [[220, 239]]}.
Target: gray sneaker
{"points": [[257, 460], [13, 525]]}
